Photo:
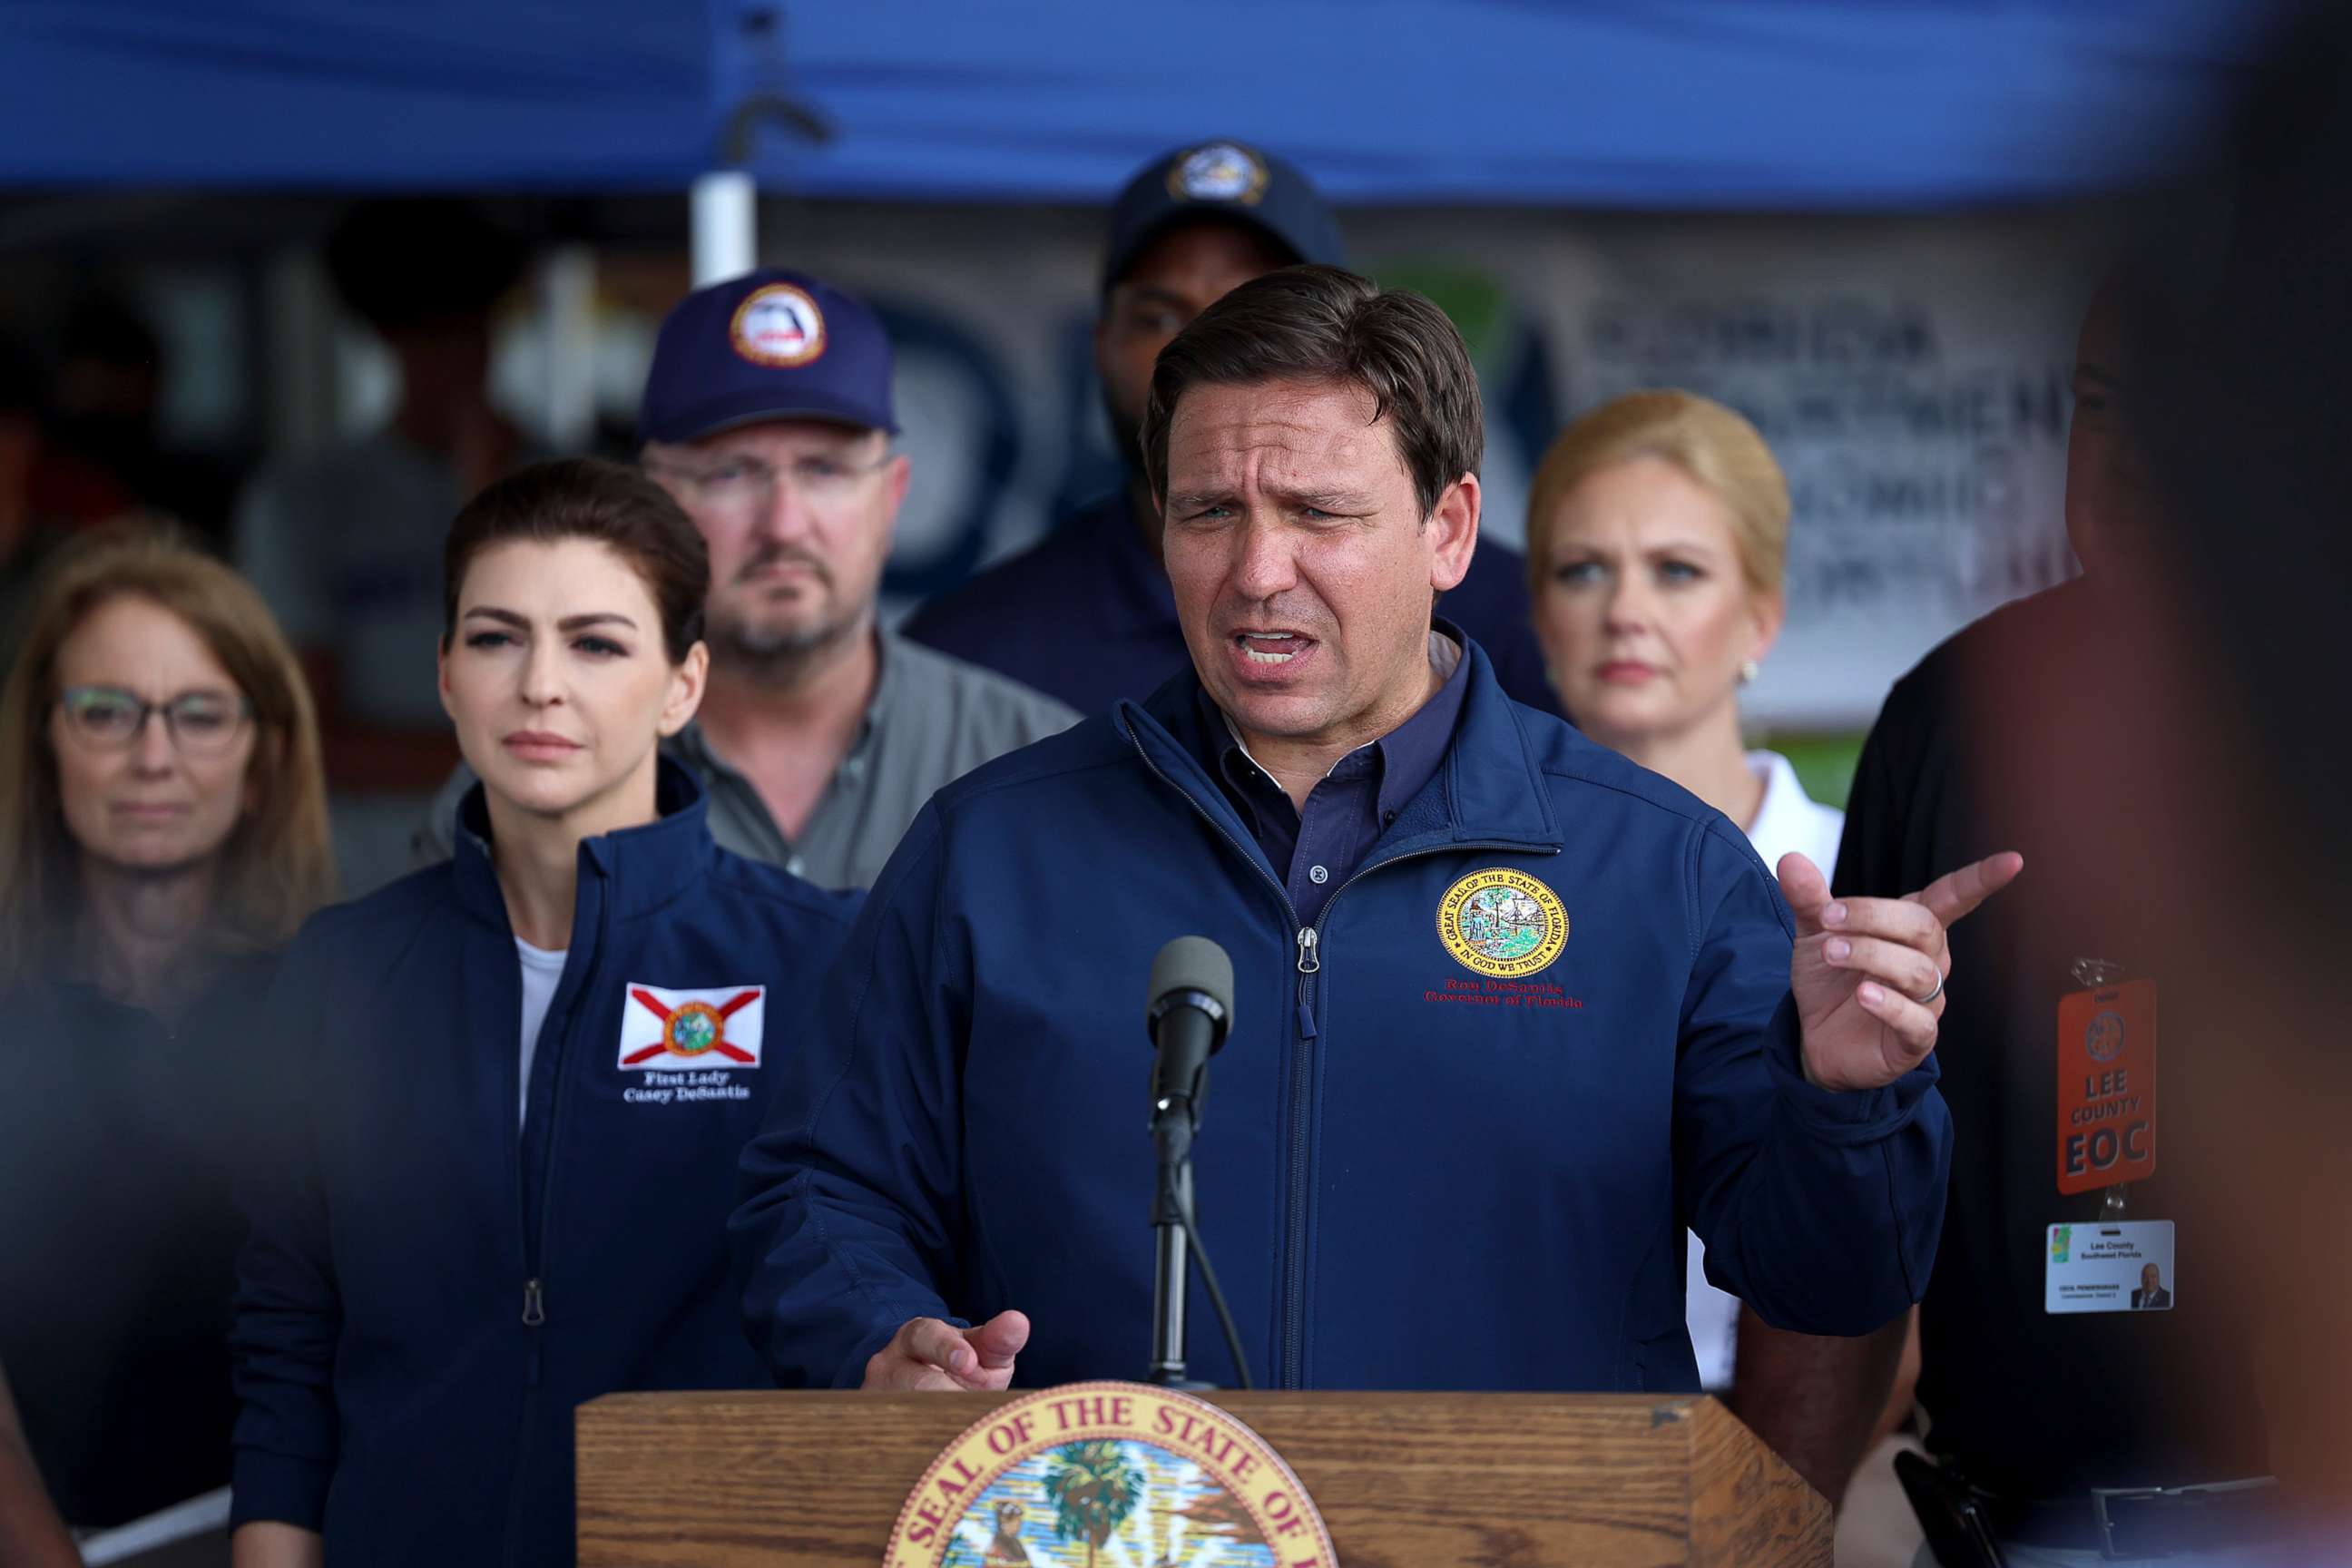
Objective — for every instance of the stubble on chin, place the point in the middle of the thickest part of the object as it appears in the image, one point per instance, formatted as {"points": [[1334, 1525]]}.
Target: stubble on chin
{"points": [[776, 654]]}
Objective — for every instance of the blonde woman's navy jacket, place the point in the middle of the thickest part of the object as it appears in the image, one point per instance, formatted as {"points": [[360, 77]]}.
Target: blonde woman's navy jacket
{"points": [[428, 1292], [1453, 1140]]}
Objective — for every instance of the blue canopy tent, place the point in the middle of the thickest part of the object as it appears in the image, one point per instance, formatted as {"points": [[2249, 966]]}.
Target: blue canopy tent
{"points": [[1812, 105], [1686, 103]]}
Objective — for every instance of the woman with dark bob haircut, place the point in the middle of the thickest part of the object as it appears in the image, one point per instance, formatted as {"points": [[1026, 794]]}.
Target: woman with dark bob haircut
{"points": [[163, 832], [530, 1070]]}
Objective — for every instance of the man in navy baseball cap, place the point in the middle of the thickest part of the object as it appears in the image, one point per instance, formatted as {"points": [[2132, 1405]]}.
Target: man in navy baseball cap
{"points": [[1221, 183], [1190, 225], [771, 345], [768, 414]]}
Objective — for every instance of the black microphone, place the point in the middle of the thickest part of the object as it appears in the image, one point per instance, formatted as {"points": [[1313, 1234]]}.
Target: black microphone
{"points": [[1189, 1014]]}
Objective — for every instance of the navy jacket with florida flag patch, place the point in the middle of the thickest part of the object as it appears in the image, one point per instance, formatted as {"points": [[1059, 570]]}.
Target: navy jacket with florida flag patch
{"points": [[1453, 1140], [429, 1293]]}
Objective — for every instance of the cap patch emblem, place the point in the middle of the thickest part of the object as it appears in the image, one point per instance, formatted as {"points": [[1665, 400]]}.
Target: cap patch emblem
{"points": [[1502, 923], [1220, 171], [778, 325]]}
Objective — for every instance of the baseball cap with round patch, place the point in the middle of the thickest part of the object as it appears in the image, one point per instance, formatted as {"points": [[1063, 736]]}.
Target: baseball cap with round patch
{"points": [[1224, 179], [772, 345]]}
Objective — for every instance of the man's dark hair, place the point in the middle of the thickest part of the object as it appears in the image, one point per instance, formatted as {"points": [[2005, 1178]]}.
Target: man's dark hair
{"points": [[1318, 324], [588, 498]]}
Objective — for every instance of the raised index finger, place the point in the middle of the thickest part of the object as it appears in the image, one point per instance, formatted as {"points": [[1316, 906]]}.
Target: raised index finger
{"points": [[1956, 894]]}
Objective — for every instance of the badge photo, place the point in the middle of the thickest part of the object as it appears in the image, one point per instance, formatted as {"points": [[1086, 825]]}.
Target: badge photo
{"points": [[778, 325], [664, 1030], [2123, 1267]]}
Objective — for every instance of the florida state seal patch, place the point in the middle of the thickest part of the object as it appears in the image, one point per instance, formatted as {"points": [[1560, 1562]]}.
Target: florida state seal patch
{"points": [[1502, 924]]}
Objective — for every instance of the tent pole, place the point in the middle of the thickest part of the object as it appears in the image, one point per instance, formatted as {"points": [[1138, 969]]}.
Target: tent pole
{"points": [[725, 205], [303, 372]]}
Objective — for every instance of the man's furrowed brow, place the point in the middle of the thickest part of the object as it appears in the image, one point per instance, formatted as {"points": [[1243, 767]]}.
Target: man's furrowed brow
{"points": [[1320, 497], [1325, 499], [1193, 500]]}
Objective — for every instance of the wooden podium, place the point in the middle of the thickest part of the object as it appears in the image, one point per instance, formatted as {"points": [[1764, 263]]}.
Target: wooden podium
{"points": [[1404, 1480]]}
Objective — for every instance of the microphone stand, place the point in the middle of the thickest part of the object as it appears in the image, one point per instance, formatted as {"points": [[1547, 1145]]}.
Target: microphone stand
{"points": [[1190, 1011], [1171, 1136]]}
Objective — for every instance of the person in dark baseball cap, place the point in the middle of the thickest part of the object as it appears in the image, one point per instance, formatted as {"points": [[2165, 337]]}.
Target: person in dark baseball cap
{"points": [[768, 414], [768, 346], [1225, 183], [1189, 227]]}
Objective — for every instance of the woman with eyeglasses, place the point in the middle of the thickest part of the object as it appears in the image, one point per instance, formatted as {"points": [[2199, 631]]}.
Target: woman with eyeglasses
{"points": [[528, 1074], [163, 833]]}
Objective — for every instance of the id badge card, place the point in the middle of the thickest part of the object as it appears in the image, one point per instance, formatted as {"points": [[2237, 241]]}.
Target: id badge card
{"points": [[2107, 1086], [2122, 1267]]}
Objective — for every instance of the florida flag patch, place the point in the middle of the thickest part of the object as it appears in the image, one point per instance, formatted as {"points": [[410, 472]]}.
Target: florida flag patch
{"points": [[661, 1031]]}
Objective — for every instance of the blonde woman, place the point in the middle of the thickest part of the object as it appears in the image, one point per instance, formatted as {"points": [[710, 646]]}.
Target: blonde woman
{"points": [[163, 832], [1657, 534]]}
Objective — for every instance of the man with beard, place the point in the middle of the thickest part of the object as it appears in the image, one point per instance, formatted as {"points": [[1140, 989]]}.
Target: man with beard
{"points": [[1191, 225], [768, 415]]}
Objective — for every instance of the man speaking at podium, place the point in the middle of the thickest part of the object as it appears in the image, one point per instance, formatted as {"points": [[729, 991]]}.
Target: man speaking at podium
{"points": [[1509, 1012]]}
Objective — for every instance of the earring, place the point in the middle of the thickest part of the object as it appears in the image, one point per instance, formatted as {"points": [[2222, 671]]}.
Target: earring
{"points": [[1747, 672]]}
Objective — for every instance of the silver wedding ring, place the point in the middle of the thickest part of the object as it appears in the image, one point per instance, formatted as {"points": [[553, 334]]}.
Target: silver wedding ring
{"points": [[1938, 991]]}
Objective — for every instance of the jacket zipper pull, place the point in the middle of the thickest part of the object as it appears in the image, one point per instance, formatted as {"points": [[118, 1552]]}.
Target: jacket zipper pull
{"points": [[534, 1304], [1308, 964]]}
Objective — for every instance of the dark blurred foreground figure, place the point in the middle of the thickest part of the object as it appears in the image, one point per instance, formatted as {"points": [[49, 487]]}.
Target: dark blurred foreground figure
{"points": [[2188, 713], [2247, 735], [163, 831], [1087, 615]]}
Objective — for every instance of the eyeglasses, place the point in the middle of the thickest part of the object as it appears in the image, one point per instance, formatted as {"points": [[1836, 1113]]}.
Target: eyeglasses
{"points": [[201, 723], [740, 489]]}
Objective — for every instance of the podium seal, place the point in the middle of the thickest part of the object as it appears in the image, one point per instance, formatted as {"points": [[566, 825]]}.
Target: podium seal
{"points": [[1090, 1475]]}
